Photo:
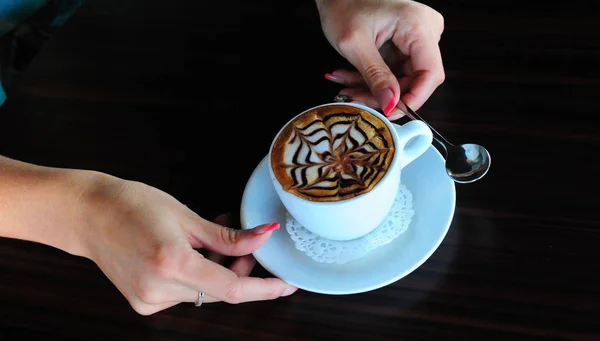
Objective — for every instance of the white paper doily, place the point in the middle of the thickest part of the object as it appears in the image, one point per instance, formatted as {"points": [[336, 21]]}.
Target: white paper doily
{"points": [[340, 252]]}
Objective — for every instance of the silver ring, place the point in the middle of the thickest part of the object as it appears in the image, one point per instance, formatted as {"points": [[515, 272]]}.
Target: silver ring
{"points": [[200, 299]]}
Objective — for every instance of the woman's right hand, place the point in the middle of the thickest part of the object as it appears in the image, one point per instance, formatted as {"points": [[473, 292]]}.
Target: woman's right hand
{"points": [[144, 240], [393, 44]]}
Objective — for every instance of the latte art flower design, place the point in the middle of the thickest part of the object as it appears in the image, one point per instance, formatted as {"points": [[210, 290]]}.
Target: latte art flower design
{"points": [[336, 156], [346, 160]]}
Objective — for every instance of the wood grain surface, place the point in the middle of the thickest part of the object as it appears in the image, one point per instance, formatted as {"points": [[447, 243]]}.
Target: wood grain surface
{"points": [[118, 90]]}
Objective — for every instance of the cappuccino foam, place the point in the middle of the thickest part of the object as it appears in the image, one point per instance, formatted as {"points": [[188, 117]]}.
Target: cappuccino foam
{"points": [[332, 153]]}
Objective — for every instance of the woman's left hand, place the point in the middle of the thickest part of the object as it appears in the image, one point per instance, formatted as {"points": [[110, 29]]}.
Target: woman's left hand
{"points": [[394, 46]]}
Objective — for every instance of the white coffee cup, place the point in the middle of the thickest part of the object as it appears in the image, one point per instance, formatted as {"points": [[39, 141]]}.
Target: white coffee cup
{"points": [[353, 218]]}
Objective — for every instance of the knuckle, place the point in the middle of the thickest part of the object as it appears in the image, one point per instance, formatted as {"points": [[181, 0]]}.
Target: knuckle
{"points": [[166, 262], [413, 33], [440, 77], [419, 11], [143, 309], [423, 11], [347, 41], [439, 19], [376, 74], [426, 21], [229, 236], [146, 293], [233, 293]]}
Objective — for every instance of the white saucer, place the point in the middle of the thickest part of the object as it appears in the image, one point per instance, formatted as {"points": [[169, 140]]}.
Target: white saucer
{"points": [[434, 199]]}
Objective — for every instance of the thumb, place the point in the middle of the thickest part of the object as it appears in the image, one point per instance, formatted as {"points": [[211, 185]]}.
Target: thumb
{"points": [[228, 241], [360, 51]]}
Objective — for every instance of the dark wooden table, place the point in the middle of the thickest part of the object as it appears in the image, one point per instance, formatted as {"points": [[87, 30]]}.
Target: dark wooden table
{"points": [[110, 91]]}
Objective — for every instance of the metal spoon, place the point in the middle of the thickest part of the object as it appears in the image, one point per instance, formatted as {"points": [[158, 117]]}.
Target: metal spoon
{"points": [[465, 163]]}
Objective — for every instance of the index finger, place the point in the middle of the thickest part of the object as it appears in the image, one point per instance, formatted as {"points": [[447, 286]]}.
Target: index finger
{"points": [[426, 62], [224, 284]]}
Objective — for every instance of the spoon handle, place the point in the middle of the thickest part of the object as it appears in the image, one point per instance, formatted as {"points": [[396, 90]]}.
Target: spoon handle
{"points": [[414, 116]]}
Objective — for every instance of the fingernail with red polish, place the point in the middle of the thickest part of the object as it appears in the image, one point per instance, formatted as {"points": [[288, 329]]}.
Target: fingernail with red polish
{"points": [[387, 100], [266, 228], [333, 78]]}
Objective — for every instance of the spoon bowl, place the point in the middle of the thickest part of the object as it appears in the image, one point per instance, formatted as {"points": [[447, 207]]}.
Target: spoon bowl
{"points": [[465, 163]]}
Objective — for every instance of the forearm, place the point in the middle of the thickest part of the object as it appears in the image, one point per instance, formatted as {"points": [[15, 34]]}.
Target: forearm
{"points": [[42, 204]]}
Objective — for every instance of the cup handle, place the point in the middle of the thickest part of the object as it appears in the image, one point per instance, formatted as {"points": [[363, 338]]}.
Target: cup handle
{"points": [[414, 138]]}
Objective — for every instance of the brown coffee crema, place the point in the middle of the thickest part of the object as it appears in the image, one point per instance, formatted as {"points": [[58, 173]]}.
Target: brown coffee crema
{"points": [[332, 153]]}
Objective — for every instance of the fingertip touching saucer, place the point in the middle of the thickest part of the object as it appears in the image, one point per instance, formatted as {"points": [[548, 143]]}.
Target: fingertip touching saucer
{"points": [[434, 199]]}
